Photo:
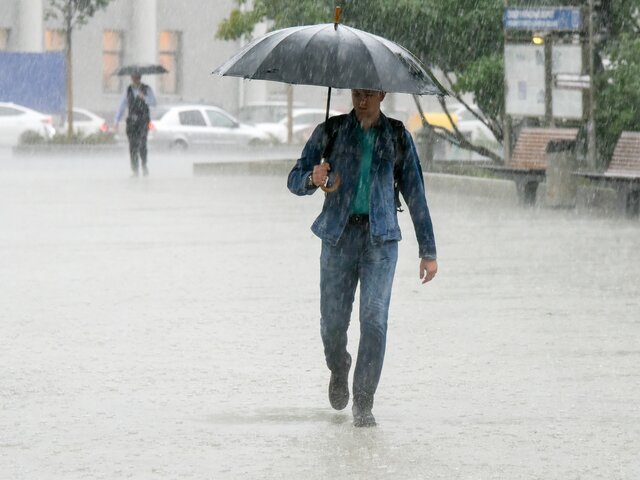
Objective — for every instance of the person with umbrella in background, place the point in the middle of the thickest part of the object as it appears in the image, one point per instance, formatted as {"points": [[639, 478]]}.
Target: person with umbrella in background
{"points": [[363, 161], [137, 99]]}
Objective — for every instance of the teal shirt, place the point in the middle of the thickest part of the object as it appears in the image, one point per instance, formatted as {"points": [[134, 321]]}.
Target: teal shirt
{"points": [[361, 201]]}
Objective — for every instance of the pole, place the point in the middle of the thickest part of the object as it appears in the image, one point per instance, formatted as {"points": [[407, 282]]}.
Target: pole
{"points": [[548, 81], [506, 124], [289, 113], [591, 124], [69, 70]]}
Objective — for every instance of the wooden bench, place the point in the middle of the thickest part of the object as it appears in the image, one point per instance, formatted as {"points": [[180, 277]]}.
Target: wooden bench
{"points": [[528, 164], [623, 173]]}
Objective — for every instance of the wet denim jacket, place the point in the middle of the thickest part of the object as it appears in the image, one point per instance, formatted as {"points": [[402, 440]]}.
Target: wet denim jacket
{"points": [[345, 160]]}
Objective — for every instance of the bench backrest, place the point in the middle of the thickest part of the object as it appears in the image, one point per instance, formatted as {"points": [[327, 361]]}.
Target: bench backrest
{"points": [[531, 145], [626, 156]]}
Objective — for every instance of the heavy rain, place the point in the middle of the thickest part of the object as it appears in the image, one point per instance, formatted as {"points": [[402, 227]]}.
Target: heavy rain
{"points": [[162, 290]]}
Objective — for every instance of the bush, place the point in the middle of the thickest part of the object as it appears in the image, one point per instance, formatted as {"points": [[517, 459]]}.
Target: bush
{"points": [[31, 137]]}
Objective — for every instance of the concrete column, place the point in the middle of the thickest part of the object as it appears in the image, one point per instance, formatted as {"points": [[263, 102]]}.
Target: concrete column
{"points": [[30, 26], [144, 35], [561, 184]]}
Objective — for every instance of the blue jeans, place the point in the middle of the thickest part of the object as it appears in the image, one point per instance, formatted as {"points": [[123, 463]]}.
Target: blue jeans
{"points": [[355, 259]]}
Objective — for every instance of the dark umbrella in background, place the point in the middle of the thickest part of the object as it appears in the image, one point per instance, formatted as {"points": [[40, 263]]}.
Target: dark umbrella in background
{"points": [[335, 56], [141, 69]]}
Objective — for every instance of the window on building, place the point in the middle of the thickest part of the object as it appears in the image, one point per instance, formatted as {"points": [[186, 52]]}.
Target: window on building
{"points": [[4, 38], [112, 57], [170, 54], [53, 40]]}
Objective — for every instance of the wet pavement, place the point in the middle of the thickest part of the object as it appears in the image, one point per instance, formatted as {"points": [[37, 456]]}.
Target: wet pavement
{"points": [[167, 327]]}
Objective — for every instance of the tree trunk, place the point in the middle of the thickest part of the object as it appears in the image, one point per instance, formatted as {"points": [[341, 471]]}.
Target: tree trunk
{"points": [[67, 51]]}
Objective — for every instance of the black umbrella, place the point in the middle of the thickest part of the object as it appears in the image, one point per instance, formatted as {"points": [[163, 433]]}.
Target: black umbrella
{"points": [[140, 69], [332, 55]]}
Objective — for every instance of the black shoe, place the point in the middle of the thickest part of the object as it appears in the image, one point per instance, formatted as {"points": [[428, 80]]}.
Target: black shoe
{"points": [[339, 386], [362, 416]]}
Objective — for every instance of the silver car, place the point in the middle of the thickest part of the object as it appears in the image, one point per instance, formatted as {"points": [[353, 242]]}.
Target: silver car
{"points": [[187, 126], [16, 120], [85, 122]]}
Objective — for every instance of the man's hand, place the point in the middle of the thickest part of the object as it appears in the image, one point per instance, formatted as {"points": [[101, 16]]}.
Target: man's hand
{"points": [[428, 269], [320, 173]]}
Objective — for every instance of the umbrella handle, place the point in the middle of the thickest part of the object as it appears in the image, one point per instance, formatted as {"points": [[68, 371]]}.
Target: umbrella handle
{"points": [[334, 184], [336, 19], [332, 181]]}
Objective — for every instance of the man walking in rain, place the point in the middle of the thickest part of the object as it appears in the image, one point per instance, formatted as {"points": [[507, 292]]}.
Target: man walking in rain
{"points": [[137, 99], [359, 230]]}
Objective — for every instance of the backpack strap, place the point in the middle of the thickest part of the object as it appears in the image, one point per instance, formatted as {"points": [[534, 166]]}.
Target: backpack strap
{"points": [[400, 146]]}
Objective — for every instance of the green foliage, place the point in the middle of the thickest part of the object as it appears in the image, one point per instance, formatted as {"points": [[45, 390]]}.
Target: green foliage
{"points": [[468, 41], [618, 88], [74, 12], [485, 78], [31, 137], [465, 38]]}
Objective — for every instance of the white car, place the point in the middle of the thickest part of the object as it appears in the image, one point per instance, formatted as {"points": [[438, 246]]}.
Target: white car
{"points": [[186, 126], [257, 113], [305, 121], [16, 119], [85, 122]]}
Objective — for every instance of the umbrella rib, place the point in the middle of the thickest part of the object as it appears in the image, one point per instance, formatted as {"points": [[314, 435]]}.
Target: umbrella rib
{"points": [[435, 81], [370, 57], [312, 37], [285, 37]]}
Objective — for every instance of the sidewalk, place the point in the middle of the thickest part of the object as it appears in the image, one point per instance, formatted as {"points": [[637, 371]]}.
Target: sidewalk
{"points": [[168, 327]]}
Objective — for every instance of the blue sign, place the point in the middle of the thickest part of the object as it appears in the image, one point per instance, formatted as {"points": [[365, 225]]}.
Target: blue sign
{"points": [[34, 80], [536, 19]]}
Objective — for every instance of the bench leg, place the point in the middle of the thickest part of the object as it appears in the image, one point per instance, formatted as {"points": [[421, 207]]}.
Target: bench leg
{"points": [[527, 191]]}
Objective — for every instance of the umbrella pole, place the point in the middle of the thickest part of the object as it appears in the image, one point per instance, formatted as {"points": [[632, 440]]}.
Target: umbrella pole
{"points": [[332, 182], [326, 117]]}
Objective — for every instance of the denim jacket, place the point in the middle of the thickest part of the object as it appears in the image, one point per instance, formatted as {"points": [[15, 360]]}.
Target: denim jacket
{"points": [[345, 160]]}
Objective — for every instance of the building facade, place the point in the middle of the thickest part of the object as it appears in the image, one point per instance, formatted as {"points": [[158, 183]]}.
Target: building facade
{"points": [[179, 35]]}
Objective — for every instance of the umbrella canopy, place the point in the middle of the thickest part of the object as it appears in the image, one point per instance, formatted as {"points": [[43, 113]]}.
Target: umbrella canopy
{"points": [[141, 69], [332, 55]]}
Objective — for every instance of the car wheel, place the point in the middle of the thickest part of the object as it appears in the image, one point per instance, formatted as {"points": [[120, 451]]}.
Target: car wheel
{"points": [[179, 146]]}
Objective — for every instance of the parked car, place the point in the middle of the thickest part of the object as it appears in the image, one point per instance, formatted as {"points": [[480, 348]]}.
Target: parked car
{"points": [[187, 126], [465, 121], [85, 122], [305, 121], [435, 119], [16, 119], [264, 112]]}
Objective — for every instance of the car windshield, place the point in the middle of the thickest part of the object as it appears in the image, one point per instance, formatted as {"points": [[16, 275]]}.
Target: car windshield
{"points": [[217, 119], [80, 117], [8, 111], [158, 112]]}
